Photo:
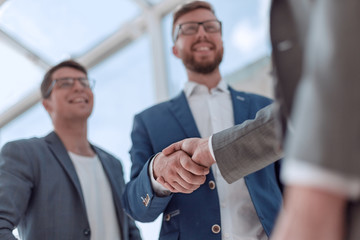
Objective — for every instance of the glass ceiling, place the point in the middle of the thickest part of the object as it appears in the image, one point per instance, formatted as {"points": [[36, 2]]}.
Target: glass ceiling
{"points": [[18, 76], [60, 29]]}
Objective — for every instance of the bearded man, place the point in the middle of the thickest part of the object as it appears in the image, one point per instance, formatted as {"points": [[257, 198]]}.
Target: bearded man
{"points": [[196, 202]]}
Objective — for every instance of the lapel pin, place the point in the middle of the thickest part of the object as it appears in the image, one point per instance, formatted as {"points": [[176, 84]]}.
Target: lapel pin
{"points": [[240, 98]]}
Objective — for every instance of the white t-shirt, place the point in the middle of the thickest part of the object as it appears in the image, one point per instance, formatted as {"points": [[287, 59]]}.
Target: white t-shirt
{"points": [[98, 197]]}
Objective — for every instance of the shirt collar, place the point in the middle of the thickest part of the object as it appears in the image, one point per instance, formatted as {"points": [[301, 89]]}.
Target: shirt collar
{"points": [[190, 87]]}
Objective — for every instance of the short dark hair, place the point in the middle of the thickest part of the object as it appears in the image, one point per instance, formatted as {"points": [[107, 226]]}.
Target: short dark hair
{"points": [[189, 7], [47, 80]]}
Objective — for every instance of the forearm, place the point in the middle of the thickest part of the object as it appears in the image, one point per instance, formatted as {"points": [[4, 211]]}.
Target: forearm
{"points": [[248, 147], [312, 214], [136, 191]]}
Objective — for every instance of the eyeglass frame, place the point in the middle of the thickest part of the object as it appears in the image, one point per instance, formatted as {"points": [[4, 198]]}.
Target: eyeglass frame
{"points": [[90, 85], [178, 28]]}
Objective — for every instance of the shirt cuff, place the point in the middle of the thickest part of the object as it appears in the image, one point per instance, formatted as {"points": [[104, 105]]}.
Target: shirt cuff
{"points": [[159, 189], [302, 173], [211, 148]]}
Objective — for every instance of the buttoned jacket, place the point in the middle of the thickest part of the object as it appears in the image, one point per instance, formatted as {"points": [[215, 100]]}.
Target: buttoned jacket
{"points": [[195, 215]]}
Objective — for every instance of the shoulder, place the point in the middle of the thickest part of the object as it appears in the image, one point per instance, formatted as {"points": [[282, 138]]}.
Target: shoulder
{"points": [[161, 109], [23, 144], [157, 108]]}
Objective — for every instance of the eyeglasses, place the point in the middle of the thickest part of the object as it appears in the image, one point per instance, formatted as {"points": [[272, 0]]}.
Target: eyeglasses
{"points": [[191, 28], [68, 82]]}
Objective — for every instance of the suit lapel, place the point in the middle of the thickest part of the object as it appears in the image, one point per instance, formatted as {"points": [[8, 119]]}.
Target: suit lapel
{"points": [[181, 110], [62, 156], [115, 185], [241, 106]]}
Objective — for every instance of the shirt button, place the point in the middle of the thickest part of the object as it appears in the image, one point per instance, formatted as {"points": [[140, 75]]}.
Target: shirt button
{"points": [[87, 232], [215, 228], [212, 185]]}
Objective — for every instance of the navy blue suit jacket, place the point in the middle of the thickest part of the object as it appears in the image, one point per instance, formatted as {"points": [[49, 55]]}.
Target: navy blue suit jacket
{"points": [[191, 216]]}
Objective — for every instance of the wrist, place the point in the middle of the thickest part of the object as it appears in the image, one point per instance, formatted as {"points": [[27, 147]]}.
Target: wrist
{"points": [[153, 166]]}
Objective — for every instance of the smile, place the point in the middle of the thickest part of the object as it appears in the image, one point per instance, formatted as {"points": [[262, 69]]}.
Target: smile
{"points": [[79, 100]]}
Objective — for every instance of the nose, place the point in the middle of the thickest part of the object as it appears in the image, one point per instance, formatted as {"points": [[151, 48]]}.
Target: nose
{"points": [[78, 85], [201, 32]]}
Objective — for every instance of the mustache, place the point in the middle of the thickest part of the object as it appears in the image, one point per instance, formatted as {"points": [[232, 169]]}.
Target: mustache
{"points": [[203, 41]]}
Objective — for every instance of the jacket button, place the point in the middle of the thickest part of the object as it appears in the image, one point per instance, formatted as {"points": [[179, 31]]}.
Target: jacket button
{"points": [[215, 228], [87, 232], [212, 185], [167, 217]]}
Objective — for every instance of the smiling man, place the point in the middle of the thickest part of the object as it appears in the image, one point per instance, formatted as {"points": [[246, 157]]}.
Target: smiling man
{"points": [[211, 208], [61, 186]]}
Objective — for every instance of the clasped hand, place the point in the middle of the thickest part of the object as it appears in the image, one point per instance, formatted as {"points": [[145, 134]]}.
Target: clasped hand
{"points": [[183, 166]]}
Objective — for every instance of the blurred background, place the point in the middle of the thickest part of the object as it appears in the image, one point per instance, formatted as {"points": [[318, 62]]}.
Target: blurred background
{"points": [[126, 45]]}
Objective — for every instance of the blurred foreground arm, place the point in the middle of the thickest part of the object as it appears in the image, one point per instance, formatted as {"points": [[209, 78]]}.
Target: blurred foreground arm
{"points": [[312, 214], [248, 147]]}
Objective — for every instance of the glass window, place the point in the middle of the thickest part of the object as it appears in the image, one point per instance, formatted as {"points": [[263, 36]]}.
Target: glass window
{"points": [[61, 29], [33, 123], [18, 76]]}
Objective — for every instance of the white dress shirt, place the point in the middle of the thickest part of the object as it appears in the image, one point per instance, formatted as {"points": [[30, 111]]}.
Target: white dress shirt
{"points": [[98, 197], [296, 172], [213, 112]]}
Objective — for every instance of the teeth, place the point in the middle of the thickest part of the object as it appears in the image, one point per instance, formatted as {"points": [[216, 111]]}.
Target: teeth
{"points": [[203, 49], [78, 100]]}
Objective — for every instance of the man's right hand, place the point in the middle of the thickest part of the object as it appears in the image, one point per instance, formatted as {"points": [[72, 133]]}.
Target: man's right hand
{"points": [[196, 148], [178, 173]]}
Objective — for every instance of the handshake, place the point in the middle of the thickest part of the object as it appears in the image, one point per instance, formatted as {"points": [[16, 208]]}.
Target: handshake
{"points": [[183, 166]]}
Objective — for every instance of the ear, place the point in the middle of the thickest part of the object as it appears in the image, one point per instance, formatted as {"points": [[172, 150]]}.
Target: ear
{"points": [[175, 51], [46, 104]]}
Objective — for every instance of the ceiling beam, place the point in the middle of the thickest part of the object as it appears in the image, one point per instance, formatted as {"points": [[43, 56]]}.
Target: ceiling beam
{"points": [[2, 1], [33, 97], [20, 107], [120, 39], [125, 35], [144, 4], [23, 50]]}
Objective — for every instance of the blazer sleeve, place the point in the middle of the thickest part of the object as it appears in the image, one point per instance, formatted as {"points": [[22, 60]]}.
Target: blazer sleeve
{"points": [[16, 183], [326, 111], [248, 147], [139, 187]]}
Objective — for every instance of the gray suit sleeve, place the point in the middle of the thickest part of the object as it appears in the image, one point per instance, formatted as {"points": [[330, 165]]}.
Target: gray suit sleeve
{"points": [[15, 187], [326, 111], [248, 147]]}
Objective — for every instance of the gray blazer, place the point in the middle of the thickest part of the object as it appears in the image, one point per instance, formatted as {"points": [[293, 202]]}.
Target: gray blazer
{"points": [[316, 55], [40, 192]]}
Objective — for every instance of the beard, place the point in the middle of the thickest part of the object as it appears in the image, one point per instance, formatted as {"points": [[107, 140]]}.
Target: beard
{"points": [[205, 66]]}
